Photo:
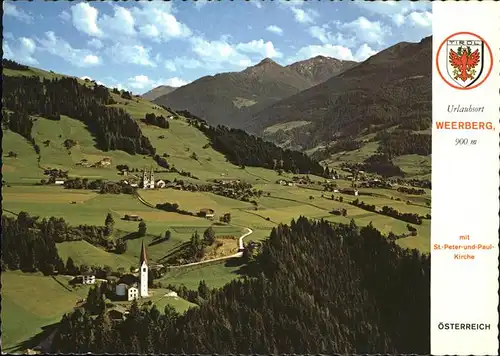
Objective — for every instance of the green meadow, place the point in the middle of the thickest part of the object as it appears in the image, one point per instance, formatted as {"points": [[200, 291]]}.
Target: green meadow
{"points": [[31, 301]]}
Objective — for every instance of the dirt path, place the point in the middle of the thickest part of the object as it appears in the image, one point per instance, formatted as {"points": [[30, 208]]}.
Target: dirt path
{"points": [[241, 246], [238, 254]]}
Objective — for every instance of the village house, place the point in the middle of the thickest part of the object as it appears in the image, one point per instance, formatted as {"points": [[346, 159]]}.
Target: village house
{"points": [[299, 180], [206, 213], [85, 278], [350, 191], [285, 182], [105, 162], [336, 212], [230, 181], [132, 217], [125, 291], [117, 314], [88, 278], [160, 184], [133, 293]]}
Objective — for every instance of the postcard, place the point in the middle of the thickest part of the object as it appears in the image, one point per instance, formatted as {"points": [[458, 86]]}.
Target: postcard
{"points": [[250, 177]]}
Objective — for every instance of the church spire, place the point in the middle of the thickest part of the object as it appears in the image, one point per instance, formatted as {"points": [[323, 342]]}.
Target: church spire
{"points": [[143, 257]]}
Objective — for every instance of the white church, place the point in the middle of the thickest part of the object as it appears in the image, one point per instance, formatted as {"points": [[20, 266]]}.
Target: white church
{"points": [[132, 287], [148, 180]]}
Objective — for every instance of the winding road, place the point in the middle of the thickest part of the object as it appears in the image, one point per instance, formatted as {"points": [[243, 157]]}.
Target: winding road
{"points": [[241, 246], [237, 254]]}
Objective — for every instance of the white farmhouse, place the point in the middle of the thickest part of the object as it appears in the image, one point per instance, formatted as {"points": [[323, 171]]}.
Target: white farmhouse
{"points": [[133, 293], [88, 279], [160, 184]]}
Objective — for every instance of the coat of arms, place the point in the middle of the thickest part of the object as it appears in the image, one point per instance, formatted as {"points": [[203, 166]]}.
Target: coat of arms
{"points": [[465, 61]]}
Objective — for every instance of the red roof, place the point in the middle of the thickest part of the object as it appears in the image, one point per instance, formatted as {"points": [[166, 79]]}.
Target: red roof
{"points": [[143, 257]]}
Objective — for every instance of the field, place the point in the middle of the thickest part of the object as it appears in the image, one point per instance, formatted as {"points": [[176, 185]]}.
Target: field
{"points": [[285, 126], [413, 165], [31, 301], [215, 275]]}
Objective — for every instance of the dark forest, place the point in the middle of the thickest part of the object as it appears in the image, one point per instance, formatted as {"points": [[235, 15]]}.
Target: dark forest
{"points": [[314, 288]]}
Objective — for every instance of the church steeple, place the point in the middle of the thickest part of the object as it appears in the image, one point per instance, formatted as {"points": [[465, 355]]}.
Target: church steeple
{"points": [[143, 257], [143, 260]]}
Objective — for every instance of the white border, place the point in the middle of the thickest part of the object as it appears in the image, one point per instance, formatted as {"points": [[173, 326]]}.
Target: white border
{"points": [[465, 193]]}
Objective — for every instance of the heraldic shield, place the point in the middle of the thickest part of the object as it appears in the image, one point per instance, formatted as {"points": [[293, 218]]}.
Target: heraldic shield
{"points": [[465, 61]]}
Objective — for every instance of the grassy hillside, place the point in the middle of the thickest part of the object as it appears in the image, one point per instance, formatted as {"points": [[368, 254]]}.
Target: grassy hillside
{"points": [[30, 302], [180, 141], [157, 92], [389, 92], [278, 204]]}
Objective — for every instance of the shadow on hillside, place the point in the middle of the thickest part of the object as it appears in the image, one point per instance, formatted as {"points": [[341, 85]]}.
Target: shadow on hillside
{"points": [[62, 284], [158, 241], [131, 236], [38, 341], [245, 270], [174, 251]]}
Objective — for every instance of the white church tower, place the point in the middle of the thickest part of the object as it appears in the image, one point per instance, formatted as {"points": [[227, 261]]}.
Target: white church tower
{"points": [[145, 180], [152, 179], [148, 179], [143, 265]]}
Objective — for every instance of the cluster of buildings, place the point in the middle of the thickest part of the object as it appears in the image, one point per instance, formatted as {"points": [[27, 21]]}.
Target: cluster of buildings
{"points": [[349, 191], [147, 181], [285, 182], [129, 286], [105, 162]]}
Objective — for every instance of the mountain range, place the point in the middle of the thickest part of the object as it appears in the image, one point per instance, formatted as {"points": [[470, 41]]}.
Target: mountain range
{"points": [[232, 98], [316, 101], [157, 92]]}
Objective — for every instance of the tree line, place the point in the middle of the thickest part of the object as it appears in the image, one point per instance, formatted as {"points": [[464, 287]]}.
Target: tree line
{"points": [[295, 299], [160, 121], [173, 208], [113, 128], [27, 247], [8, 64], [29, 243], [103, 187], [343, 144], [389, 211], [194, 250], [409, 190], [22, 124], [243, 149], [404, 142], [381, 164]]}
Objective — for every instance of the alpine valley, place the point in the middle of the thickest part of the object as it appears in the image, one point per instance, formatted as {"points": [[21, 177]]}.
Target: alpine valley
{"points": [[168, 188], [355, 110]]}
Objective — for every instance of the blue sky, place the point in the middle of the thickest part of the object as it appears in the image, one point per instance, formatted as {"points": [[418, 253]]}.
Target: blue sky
{"points": [[140, 45]]}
